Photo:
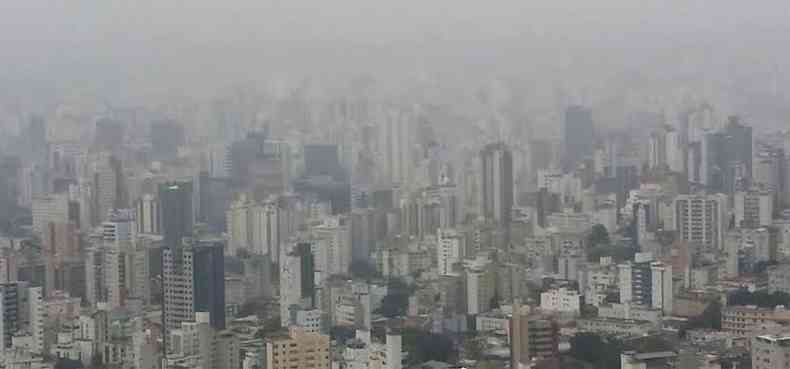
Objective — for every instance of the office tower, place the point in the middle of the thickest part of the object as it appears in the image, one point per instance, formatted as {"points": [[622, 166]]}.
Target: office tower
{"points": [[260, 165], [108, 188], [701, 219], [363, 234], [265, 229], [50, 208], [257, 271], [175, 212], [333, 251], [675, 152], [297, 280], [480, 279], [739, 146], [166, 137], [579, 136], [661, 287], [322, 161], [147, 216], [496, 189], [394, 152], [117, 236], [770, 351], [450, 251], [636, 281], [727, 158], [109, 134], [695, 164], [214, 197], [209, 281], [656, 149], [298, 349], [753, 209], [195, 283]]}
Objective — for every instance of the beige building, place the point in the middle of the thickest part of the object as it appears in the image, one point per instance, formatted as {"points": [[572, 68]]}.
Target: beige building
{"points": [[298, 350], [744, 320]]}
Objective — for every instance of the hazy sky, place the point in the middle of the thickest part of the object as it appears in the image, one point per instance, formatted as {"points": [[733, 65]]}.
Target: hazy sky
{"points": [[136, 47]]}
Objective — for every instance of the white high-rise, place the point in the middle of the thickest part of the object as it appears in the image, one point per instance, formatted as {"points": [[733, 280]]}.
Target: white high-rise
{"points": [[753, 209], [265, 222], [147, 217], [449, 251], [701, 219], [333, 251], [662, 292]]}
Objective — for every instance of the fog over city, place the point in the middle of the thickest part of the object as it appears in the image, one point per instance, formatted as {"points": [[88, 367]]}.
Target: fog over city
{"points": [[403, 184]]}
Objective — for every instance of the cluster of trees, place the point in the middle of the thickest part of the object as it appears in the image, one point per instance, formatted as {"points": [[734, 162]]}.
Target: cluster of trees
{"points": [[709, 319], [603, 352], [760, 298], [600, 245], [396, 302], [425, 346]]}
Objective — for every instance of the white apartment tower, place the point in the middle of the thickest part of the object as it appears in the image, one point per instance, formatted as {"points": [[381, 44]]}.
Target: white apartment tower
{"points": [[662, 292], [701, 219], [449, 252]]}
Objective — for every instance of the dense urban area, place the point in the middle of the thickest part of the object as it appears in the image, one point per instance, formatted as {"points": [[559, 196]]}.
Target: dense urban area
{"points": [[560, 212]]}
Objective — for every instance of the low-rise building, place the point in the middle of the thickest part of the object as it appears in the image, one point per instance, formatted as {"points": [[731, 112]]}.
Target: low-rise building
{"points": [[561, 300], [771, 351], [630, 311], [744, 320], [298, 349], [615, 326]]}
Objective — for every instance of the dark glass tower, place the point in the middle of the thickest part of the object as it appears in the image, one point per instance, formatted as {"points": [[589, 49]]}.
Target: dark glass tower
{"points": [[579, 136], [209, 282], [175, 212], [497, 183]]}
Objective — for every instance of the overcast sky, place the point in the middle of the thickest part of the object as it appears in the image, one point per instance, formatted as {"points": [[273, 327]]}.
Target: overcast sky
{"points": [[133, 47]]}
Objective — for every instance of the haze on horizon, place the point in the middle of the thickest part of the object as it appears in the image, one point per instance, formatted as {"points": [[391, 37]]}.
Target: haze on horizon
{"points": [[728, 52]]}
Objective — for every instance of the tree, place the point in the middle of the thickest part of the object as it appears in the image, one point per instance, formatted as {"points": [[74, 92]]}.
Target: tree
{"points": [[341, 334], [396, 302], [600, 352], [709, 319], [425, 346], [760, 298], [269, 326], [598, 236], [474, 347]]}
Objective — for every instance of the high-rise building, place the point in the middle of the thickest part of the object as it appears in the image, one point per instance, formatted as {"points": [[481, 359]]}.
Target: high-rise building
{"points": [[260, 165], [195, 283], [176, 216], [50, 208], [579, 136], [297, 280], [147, 215], [661, 287], [701, 219], [166, 136], [753, 209], [333, 251], [449, 252], [496, 190]]}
